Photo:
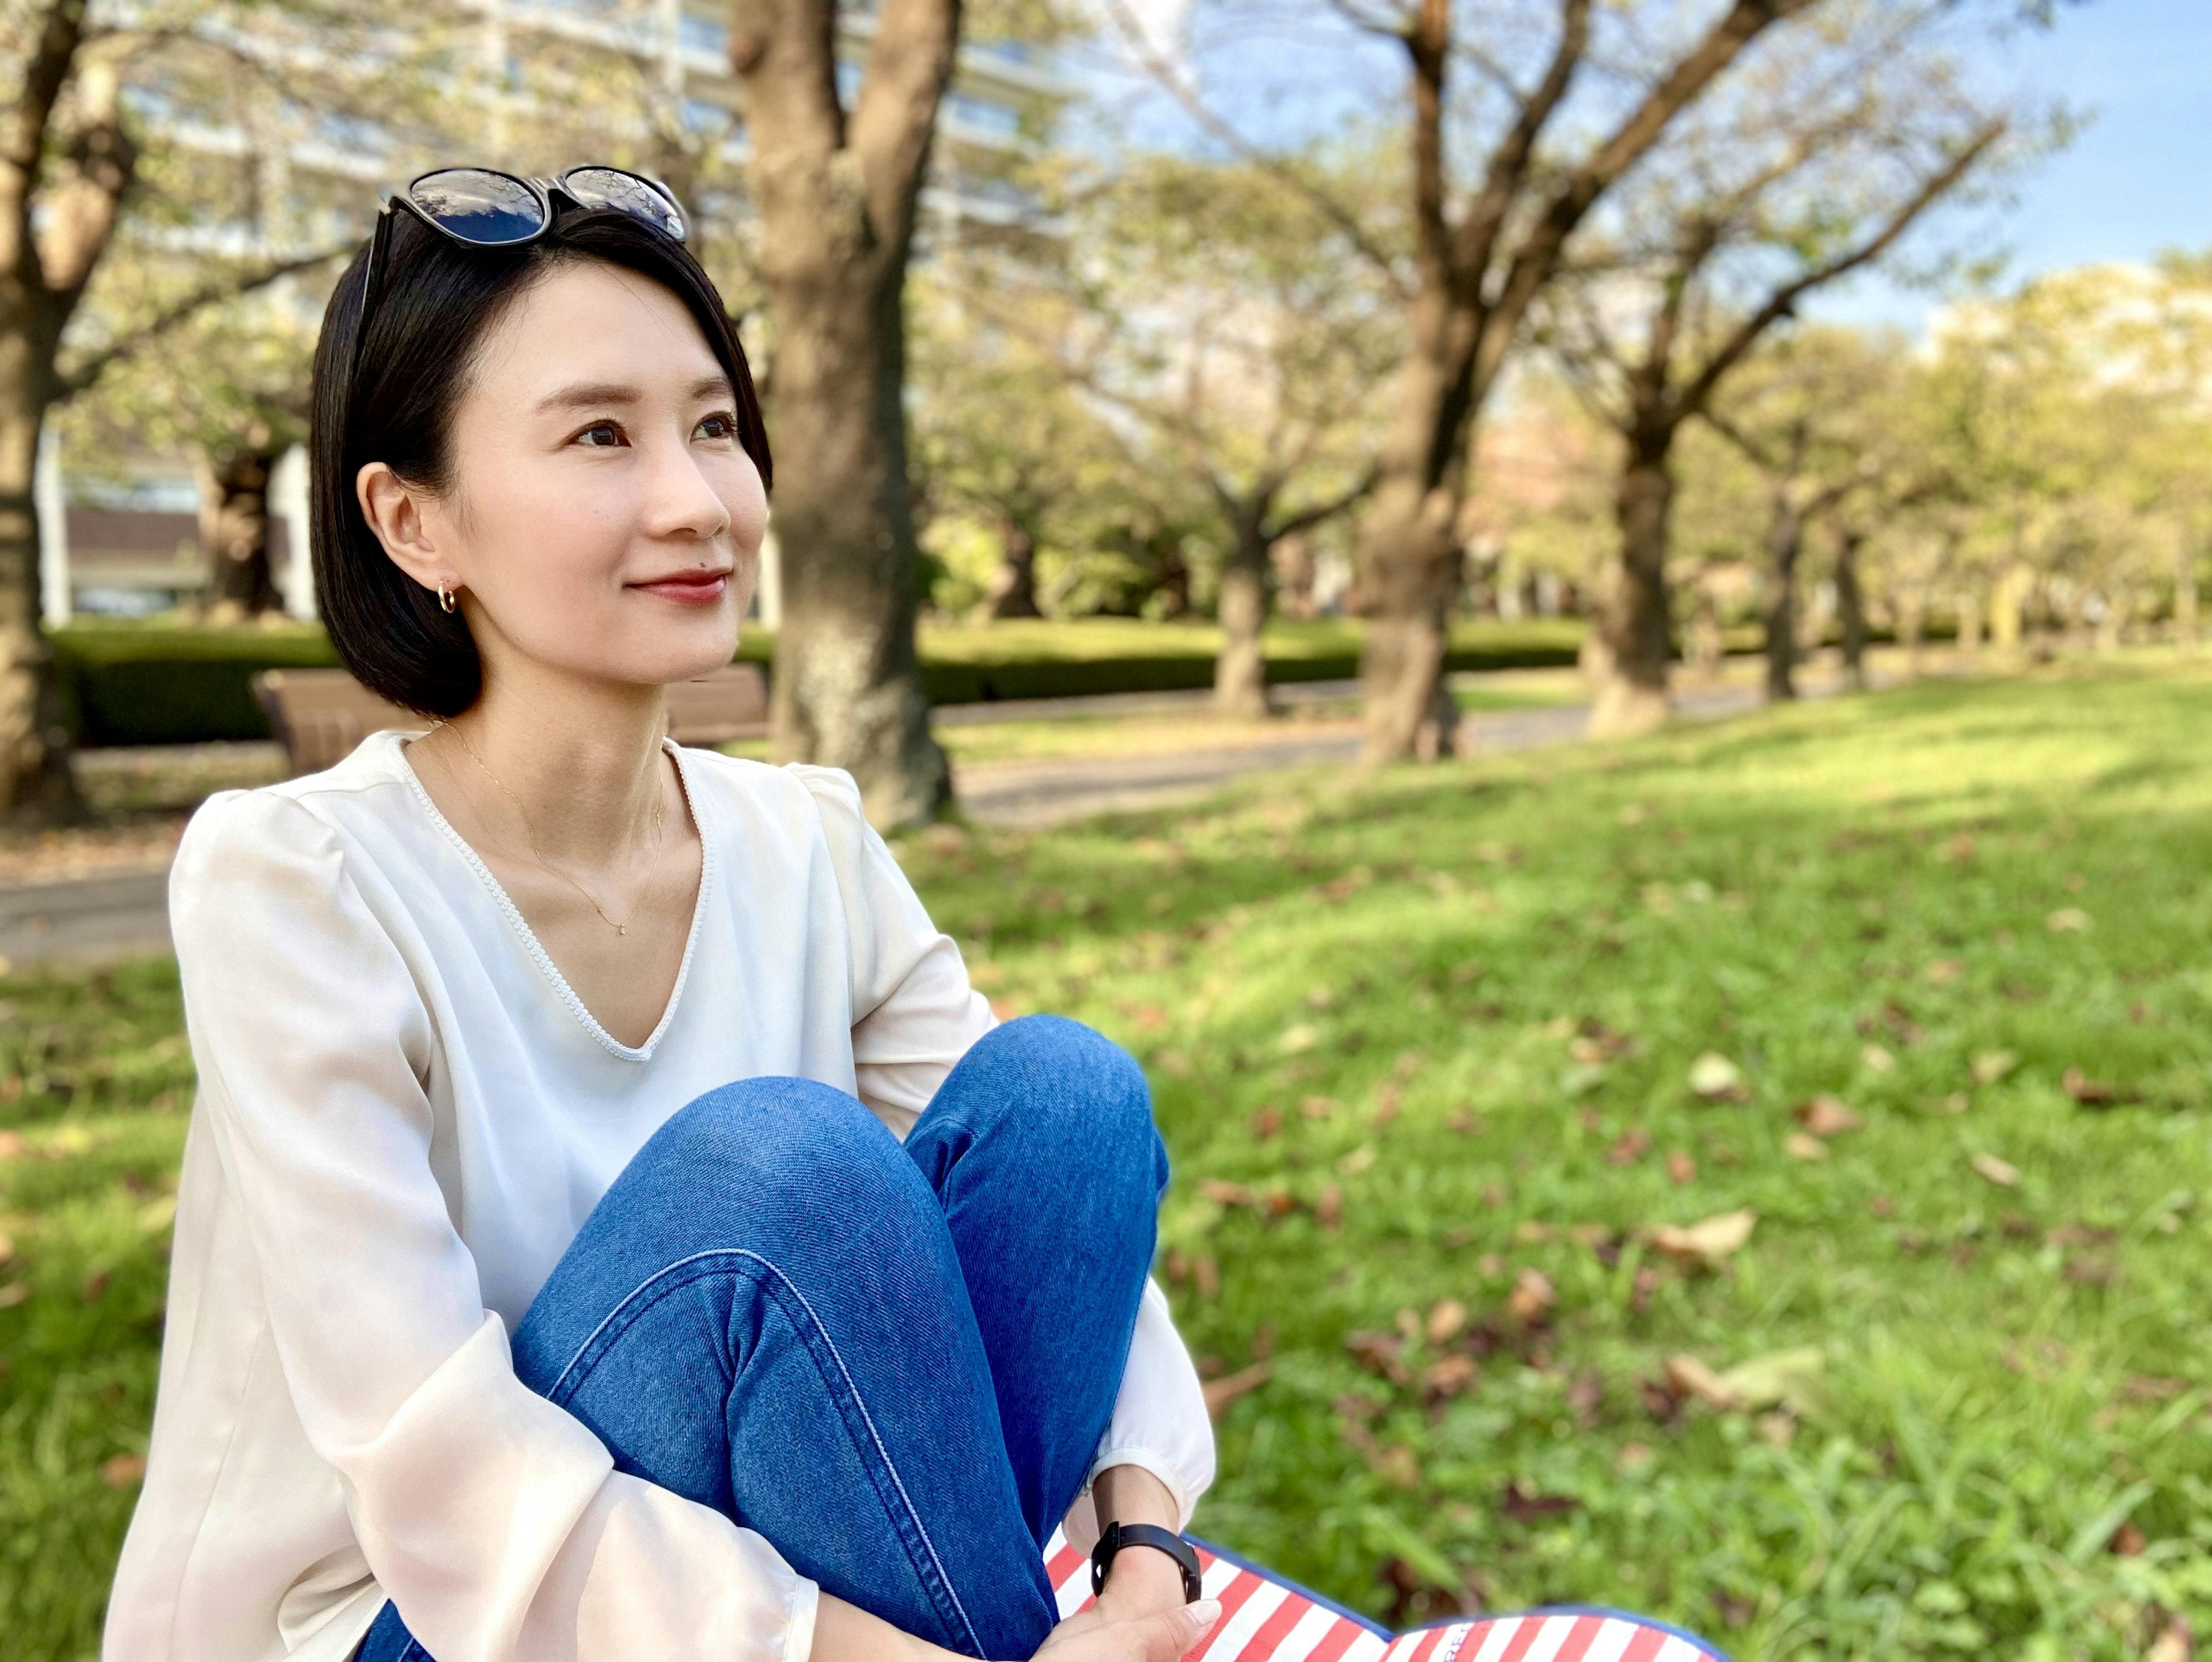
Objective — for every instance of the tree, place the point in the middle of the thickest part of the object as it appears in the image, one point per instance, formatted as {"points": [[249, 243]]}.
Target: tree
{"points": [[230, 386], [1244, 348], [1817, 417], [1000, 438], [1830, 146], [836, 190], [84, 173]]}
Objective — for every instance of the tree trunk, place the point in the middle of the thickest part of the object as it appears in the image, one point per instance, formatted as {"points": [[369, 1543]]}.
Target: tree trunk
{"points": [[2185, 594], [234, 532], [2007, 598], [1786, 537], [1850, 608], [1969, 638], [1240, 673], [837, 196], [1629, 646], [37, 784], [1912, 627], [1012, 593], [1409, 548]]}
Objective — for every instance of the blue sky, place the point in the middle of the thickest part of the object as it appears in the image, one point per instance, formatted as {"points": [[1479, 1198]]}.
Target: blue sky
{"points": [[2138, 179]]}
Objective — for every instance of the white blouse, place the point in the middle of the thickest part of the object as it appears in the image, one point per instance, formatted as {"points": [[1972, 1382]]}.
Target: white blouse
{"points": [[404, 1115]]}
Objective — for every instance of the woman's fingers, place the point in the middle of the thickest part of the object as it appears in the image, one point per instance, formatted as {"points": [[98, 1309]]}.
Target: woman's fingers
{"points": [[1166, 1635], [1160, 1637]]}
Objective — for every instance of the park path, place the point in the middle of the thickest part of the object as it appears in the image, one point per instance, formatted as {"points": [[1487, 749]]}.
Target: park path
{"points": [[126, 915]]}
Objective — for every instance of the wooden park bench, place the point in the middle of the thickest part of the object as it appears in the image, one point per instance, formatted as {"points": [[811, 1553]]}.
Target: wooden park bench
{"points": [[318, 715]]}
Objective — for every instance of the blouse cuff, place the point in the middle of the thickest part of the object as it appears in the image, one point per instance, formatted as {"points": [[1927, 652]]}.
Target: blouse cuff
{"points": [[799, 1633]]}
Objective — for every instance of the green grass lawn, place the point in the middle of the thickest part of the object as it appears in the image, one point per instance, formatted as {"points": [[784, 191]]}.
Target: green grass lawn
{"points": [[1424, 1047]]}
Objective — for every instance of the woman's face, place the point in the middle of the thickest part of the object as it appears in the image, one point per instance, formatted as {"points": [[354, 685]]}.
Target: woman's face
{"points": [[603, 519]]}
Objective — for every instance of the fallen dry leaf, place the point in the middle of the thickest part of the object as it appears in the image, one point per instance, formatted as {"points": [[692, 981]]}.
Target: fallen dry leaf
{"points": [[2128, 1541], [1358, 1160], [2176, 1642], [1446, 1318], [1634, 1144], [1447, 1376], [1991, 1066], [2093, 1093], [1206, 1272], [1800, 1146], [1378, 1354], [12, 1146], [1944, 971], [1877, 1060], [121, 1471], [1532, 1297], [1829, 1116], [1710, 1241], [1714, 1078], [1525, 1507], [2000, 1172], [1317, 1107], [1268, 1123], [1222, 1193], [1688, 1377], [13, 1294], [1220, 1392], [1680, 1168], [1329, 1207], [2067, 920]]}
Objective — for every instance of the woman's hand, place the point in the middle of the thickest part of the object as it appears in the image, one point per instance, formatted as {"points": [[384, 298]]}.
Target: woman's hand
{"points": [[1097, 1635]]}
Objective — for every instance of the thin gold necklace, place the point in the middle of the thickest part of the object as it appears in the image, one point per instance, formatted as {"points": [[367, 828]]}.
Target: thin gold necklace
{"points": [[660, 825]]}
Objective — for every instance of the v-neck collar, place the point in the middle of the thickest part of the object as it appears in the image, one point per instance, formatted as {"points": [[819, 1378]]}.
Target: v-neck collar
{"points": [[528, 936]]}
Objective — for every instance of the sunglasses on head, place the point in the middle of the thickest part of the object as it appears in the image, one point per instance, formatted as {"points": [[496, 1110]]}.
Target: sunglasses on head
{"points": [[483, 207]]}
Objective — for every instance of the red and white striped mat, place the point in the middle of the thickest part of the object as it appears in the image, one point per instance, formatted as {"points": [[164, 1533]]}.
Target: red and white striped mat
{"points": [[1266, 1620]]}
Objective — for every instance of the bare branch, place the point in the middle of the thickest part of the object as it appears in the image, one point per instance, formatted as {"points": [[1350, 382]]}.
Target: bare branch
{"points": [[1537, 257], [1503, 180], [1164, 74], [1782, 302], [82, 375]]}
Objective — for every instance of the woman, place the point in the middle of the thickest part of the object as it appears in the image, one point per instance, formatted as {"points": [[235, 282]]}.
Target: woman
{"points": [[550, 1278]]}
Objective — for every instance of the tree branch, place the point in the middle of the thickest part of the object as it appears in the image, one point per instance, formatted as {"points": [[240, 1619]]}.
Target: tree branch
{"points": [[1537, 257], [1306, 518], [894, 118], [1782, 302], [1156, 65], [83, 375], [1476, 243]]}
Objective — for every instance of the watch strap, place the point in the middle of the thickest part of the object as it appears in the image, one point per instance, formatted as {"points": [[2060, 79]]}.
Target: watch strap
{"points": [[1117, 1536]]}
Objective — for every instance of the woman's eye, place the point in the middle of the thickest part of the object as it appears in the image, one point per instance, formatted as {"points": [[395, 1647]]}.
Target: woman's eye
{"points": [[602, 435], [718, 426]]}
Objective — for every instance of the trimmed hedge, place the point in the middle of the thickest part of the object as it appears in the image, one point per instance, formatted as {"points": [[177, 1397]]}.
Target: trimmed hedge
{"points": [[155, 683]]}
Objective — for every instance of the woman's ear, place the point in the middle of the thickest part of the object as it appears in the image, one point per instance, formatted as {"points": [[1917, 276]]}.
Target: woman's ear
{"points": [[393, 510]]}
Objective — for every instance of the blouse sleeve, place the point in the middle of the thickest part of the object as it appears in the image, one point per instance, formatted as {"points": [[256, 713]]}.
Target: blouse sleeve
{"points": [[914, 1016], [493, 1520]]}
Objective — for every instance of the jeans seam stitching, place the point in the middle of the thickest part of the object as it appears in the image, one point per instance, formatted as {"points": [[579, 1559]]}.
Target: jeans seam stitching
{"points": [[851, 1384]]}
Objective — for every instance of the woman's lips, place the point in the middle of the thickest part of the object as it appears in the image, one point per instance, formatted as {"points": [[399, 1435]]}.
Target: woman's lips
{"points": [[691, 588]]}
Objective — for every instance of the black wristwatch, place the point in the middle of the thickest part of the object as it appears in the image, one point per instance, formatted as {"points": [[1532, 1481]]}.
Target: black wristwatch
{"points": [[1118, 1536]]}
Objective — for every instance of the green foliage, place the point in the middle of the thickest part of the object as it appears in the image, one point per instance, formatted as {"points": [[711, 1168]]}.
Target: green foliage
{"points": [[1458, 995], [141, 684]]}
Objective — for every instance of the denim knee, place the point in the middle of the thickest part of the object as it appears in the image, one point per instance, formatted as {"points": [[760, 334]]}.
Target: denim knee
{"points": [[781, 1153], [1067, 1086]]}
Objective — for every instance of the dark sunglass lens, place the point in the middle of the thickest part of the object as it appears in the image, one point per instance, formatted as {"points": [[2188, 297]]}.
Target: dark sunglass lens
{"points": [[478, 206], [610, 188]]}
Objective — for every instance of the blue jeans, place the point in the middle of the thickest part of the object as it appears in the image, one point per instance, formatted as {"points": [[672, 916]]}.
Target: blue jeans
{"points": [[896, 1363]]}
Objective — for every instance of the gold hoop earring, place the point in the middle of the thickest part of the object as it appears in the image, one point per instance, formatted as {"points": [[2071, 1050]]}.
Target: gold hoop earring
{"points": [[444, 597]]}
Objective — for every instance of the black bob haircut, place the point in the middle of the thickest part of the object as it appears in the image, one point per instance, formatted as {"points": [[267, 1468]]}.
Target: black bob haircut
{"points": [[436, 301]]}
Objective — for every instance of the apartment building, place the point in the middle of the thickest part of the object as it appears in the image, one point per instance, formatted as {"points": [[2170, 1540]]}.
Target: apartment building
{"points": [[644, 83]]}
